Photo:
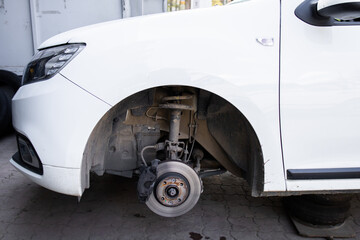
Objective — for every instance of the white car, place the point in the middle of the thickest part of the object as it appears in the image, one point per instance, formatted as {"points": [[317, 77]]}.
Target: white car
{"points": [[269, 91]]}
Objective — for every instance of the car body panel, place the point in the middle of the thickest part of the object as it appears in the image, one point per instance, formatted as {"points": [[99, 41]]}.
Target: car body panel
{"points": [[231, 51], [320, 98], [188, 48], [58, 179], [324, 186], [58, 117]]}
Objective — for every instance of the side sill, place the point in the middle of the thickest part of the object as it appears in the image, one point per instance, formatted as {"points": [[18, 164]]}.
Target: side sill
{"points": [[298, 193], [323, 173]]}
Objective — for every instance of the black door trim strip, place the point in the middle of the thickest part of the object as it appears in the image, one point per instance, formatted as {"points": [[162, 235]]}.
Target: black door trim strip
{"points": [[323, 173]]}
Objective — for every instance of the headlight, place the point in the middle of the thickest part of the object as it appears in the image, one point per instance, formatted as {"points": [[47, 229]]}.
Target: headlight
{"points": [[47, 62]]}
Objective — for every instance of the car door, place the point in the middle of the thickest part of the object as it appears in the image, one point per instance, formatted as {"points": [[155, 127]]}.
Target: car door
{"points": [[319, 99]]}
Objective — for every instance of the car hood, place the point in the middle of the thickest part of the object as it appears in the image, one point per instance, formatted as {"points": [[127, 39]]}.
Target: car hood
{"points": [[78, 33], [128, 28]]}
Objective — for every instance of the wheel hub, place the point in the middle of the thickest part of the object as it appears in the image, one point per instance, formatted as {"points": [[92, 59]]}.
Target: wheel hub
{"points": [[172, 189], [176, 190]]}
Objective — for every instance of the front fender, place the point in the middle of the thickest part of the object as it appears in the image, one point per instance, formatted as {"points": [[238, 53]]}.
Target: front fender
{"points": [[213, 49]]}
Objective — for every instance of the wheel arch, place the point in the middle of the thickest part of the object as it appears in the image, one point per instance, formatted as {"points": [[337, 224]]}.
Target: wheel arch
{"points": [[97, 142]]}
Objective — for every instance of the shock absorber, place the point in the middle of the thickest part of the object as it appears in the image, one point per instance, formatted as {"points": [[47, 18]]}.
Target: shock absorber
{"points": [[174, 147], [174, 130]]}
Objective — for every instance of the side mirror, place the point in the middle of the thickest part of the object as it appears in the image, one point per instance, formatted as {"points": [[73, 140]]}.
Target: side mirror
{"points": [[339, 9]]}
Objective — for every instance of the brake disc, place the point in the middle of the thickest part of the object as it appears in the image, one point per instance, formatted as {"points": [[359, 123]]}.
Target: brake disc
{"points": [[176, 191]]}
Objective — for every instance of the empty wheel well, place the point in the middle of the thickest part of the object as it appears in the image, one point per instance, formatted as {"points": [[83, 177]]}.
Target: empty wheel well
{"points": [[210, 124]]}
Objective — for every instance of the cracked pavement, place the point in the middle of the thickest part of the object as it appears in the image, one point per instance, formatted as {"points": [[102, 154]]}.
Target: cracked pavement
{"points": [[110, 210]]}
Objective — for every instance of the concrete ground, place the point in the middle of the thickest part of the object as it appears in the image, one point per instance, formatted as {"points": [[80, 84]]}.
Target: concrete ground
{"points": [[110, 210]]}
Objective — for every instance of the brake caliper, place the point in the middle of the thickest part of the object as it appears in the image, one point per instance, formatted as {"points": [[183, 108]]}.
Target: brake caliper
{"points": [[147, 180]]}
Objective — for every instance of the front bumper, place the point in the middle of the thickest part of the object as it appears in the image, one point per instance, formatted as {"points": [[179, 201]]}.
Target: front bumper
{"points": [[57, 117], [61, 180]]}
